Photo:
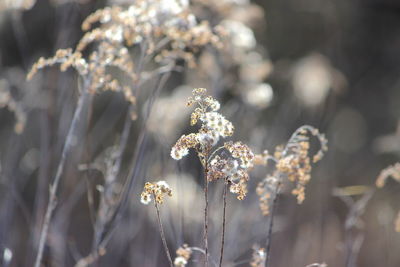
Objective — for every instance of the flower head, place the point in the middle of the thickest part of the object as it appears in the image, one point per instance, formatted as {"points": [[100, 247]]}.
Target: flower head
{"points": [[213, 125], [158, 190], [183, 255]]}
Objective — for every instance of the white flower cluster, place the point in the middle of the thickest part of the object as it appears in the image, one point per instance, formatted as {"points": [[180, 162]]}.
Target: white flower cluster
{"points": [[213, 125], [242, 152], [216, 122], [181, 148]]}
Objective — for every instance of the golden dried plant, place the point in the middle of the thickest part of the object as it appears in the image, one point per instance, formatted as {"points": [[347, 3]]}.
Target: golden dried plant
{"points": [[232, 167], [183, 255], [157, 191], [163, 31], [292, 162]]}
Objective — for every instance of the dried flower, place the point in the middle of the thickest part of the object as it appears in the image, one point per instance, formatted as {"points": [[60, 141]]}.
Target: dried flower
{"points": [[157, 190], [242, 152], [233, 166], [213, 126], [183, 255], [258, 257], [183, 144], [292, 162], [165, 29]]}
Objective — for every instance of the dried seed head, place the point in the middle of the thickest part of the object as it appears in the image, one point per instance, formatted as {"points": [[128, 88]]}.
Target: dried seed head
{"points": [[158, 190], [242, 152], [183, 255], [292, 162], [181, 148], [258, 257]]}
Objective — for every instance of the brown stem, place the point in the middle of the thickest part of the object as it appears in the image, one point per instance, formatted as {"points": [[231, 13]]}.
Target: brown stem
{"points": [[164, 241], [206, 211], [223, 223]]}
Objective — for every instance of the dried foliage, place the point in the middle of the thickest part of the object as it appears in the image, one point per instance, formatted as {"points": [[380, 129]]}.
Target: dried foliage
{"points": [[232, 167], [183, 255], [292, 162], [258, 257], [132, 49], [157, 191]]}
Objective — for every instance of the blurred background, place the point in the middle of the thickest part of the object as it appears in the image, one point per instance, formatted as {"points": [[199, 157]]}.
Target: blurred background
{"points": [[333, 64]]}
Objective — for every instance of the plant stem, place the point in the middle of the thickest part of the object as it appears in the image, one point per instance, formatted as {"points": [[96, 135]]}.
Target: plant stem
{"points": [[271, 224], [162, 234], [69, 143], [206, 211], [223, 223]]}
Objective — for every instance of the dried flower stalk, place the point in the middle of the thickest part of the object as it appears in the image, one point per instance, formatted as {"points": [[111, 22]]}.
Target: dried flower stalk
{"points": [[232, 167], [156, 192]]}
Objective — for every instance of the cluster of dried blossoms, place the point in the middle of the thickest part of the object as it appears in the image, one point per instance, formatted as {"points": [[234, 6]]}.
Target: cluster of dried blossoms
{"points": [[183, 255], [233, 165], [394, 172], [258, 257], [163, 30], [158, 190], [292, 162]]}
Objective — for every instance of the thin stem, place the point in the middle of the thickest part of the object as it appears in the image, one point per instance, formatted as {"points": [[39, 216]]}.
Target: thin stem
{"points": [[206, 211], [271, 224], [223, 223], [83, 100], [162, 233]]}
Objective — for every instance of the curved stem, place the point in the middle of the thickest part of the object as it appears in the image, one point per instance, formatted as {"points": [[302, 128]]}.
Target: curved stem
{"points": [[164, 241], [223, 223]]}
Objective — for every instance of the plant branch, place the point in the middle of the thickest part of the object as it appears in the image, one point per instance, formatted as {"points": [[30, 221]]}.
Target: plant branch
{"points": [[206, 211], [223, 223], [164, 241]]}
